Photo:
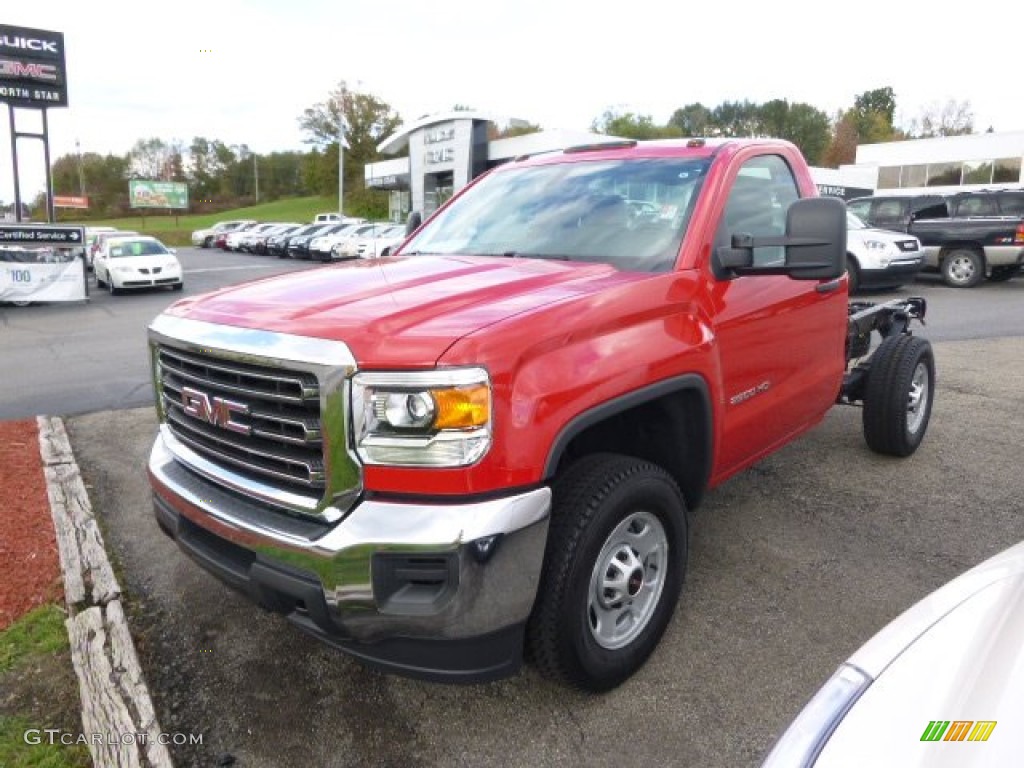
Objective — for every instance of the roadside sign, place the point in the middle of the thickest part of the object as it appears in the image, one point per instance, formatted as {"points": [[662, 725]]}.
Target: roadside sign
{"points": [[157, 194], [40, 234], [70, 201], [33, 72]]}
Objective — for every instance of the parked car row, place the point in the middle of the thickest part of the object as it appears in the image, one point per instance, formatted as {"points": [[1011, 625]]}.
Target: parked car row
{"points": [[324, 240], [966, 237]]}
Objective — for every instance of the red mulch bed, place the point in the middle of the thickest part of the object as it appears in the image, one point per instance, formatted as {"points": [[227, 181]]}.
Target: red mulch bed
{"points": [[29, 564]]}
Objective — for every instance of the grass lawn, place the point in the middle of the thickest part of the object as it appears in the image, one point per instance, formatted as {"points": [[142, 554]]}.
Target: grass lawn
{"points": [[38, 690], [177, 230]]}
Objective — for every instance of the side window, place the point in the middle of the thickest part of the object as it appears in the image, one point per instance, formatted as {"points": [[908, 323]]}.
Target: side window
{"points": [[889, 214], [860, 208], [1012, 204], [760, 197], [977, 205]]}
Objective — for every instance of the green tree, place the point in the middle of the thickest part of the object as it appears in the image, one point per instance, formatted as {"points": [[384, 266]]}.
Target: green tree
{"points": [[368, 120], [873, 112], [692, 120], [632, 126]]}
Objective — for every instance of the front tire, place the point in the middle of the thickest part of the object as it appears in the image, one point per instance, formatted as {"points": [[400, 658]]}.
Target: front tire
{"points": [[963, 268], [613, 570], [899, 395], [853, 271]]}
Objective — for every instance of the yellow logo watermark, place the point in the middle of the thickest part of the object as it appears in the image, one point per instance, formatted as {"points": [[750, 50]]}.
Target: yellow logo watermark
{"points": [[958, 730]]}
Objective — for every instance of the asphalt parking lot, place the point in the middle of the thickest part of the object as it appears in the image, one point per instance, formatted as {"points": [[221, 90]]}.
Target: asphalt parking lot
{"points": [[794, 564]]}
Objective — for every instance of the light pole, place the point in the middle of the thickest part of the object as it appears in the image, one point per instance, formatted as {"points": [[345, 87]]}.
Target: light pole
{"points": [[256, 173], [341, 154], [81, 176]]}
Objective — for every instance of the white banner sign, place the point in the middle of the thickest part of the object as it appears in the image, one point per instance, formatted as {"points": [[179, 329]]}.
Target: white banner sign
{"points": [[41, 281]]}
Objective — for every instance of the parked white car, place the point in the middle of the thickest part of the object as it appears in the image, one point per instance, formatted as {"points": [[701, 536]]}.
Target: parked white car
{"points": [[323, 248], [233, 242], [942, 685], [878, 258], [380, 242], [203, 238], [136, 261]]}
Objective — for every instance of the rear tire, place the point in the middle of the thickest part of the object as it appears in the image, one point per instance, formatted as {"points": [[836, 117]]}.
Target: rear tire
{"points": [[899, 394], [613, 570], [178, 287], [963, 268]]}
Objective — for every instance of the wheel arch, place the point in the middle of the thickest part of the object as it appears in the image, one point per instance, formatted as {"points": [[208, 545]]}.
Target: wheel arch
{"points": [[668, 423], [963, 245]]}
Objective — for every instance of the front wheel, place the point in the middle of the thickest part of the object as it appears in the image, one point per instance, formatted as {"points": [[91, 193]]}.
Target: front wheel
{"points": [[963, 268], [853, 275], [613, 570], [899, 395]]}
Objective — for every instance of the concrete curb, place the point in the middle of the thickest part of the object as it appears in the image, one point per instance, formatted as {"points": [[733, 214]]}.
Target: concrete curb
{"points": [[118, 717]]}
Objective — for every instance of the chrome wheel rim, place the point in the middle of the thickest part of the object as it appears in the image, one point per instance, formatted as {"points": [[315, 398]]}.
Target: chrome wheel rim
{"points": [[917, 398], [627, 580], [962, 269]]}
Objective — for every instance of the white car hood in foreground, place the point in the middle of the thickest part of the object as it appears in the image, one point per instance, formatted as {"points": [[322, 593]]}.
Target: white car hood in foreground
{"points": [[958, 655]]}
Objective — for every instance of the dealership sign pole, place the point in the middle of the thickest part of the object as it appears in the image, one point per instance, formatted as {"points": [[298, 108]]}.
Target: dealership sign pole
{"points": [[32, 76]]}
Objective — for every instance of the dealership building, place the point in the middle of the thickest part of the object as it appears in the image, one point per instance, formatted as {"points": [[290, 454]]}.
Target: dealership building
{"points": [[942, 165], [447, 150]]}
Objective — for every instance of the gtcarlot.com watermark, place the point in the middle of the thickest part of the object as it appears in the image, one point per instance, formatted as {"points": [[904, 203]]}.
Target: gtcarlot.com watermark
{"points": [[57, 736]]}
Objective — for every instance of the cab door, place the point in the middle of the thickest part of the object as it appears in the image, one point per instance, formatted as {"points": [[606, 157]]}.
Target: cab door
{"points": [[781, 342]]}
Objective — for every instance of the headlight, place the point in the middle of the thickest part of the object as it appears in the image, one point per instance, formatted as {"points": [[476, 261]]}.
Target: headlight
{"points": [[876, 245], [123, 270], [803, 741], [422, 418]]}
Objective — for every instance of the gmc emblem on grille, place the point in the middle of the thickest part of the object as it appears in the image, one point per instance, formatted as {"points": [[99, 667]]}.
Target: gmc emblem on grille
{"points": [[215, 410]]}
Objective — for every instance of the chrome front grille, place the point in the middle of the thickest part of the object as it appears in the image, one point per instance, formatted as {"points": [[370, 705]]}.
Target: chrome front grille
{"points": [[259, 420], [259, 413]]}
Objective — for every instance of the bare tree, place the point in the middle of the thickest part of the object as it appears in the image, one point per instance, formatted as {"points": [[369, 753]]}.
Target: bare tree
{"points": [[954, 118]]}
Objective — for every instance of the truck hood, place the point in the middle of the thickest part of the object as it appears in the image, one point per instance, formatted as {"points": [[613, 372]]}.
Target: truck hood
{"points": [[429, 301]]}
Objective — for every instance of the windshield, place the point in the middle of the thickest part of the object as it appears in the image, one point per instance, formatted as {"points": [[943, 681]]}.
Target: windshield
{"points": [[631, 214], [855, 222], [136, 248]]}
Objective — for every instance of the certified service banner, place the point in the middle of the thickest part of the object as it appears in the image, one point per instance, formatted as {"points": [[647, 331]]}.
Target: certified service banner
{"points": [[22, 279]]}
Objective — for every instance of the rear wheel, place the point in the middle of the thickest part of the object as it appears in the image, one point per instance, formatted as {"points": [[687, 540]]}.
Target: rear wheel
{"points": [[613, 570], [963, 268], [207, 242], [899, 394]]}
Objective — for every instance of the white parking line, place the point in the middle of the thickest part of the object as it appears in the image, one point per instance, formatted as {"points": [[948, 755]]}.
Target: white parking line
{"points": [[229, 269]]}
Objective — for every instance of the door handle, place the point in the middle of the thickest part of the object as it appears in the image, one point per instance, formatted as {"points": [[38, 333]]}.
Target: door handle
{"points": [[828, 287]]}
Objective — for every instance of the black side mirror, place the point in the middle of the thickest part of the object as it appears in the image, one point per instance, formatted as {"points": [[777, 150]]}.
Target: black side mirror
{"points": [[816, 229], [815, 243], [413, 222]]}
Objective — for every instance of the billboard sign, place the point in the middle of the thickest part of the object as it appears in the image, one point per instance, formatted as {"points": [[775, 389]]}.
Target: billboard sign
{"points": [[157, 194], [32, 68], [70, 201]]}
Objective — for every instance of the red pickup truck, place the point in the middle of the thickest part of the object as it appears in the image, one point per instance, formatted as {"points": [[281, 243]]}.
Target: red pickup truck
{"points": [[489, 443]]}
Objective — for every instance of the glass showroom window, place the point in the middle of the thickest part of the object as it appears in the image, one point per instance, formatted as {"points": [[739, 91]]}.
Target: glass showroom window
{"points": [[1007, 171], [944, 174], [914, 176], [889, 177], [978, 172]]}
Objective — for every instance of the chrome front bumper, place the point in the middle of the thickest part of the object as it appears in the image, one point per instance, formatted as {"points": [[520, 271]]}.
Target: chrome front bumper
{"points": [[434, 590]]}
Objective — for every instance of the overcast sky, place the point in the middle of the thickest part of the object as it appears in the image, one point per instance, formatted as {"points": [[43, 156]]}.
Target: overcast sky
{"points": [[137, 70]]}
